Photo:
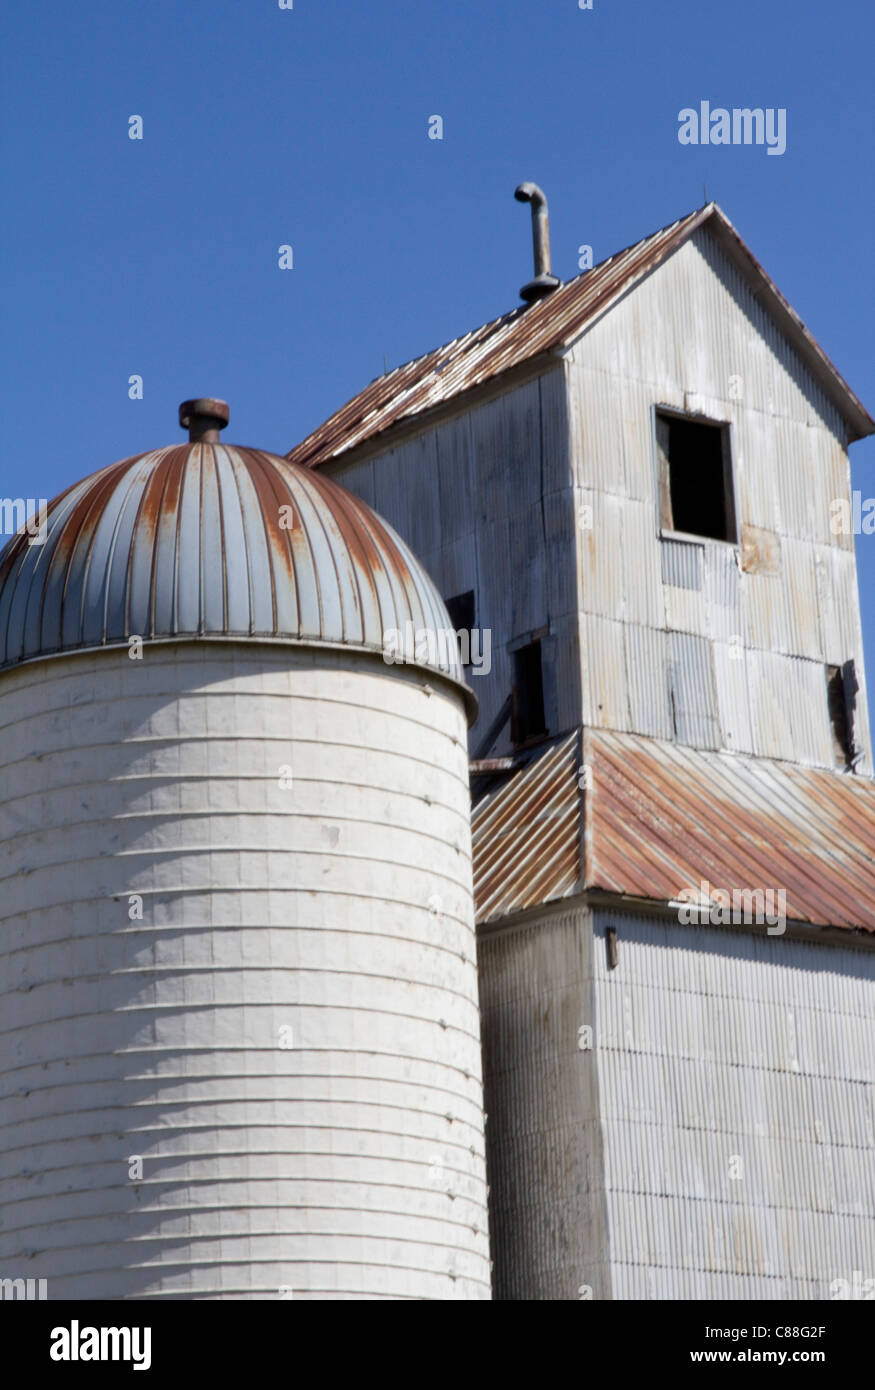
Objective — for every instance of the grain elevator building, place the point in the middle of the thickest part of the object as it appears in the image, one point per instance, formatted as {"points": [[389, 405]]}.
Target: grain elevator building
{"points": [[241, 1029], [637, 484]]}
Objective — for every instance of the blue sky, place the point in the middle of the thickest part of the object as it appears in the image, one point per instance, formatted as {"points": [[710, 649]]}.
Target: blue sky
{"points": [[265, 126]]}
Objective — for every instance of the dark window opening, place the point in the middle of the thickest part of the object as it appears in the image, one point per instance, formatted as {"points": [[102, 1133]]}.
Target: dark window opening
{"points": [[695, 478], [461, 611], [841, 687], [528, 720]]}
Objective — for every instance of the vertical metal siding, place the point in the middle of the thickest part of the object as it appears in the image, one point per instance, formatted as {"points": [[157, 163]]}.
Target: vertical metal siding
{"points": [[693, 693], [708, 1043], [694, 336], [732, 682], [496, 484], [606, 685], [643, 597], [681, 564], [649, 686], [800, 585], [789, 709], [722, 589], [543, 1144], [603, 580], [713, 1043]]}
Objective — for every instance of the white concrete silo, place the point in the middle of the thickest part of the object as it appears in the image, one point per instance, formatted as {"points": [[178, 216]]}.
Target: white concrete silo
{"points": [[240, 1029]]}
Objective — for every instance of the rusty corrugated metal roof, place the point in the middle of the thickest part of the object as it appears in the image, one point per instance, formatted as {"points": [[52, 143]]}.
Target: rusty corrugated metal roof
{"points": [[526, 835], [549, 325], [207, 540], [661, 818]]}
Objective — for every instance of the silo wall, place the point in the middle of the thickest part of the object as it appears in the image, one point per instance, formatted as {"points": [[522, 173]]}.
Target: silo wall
{"points": [[240, 1032]]}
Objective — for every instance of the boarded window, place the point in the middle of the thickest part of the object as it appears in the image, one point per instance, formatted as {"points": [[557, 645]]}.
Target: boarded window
{"points": [[528, 719], [695, 477]]}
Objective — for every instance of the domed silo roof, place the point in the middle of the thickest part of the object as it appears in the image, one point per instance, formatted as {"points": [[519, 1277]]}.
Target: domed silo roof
{"points": [[208, 540]]}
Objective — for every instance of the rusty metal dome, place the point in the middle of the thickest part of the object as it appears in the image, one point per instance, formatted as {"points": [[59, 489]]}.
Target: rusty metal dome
{"points": [[207, 540]]}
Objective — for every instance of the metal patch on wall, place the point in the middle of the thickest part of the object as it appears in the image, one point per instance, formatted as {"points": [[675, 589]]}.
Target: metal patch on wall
{"points": [[693, 696], [681, 563], [760, 550]]}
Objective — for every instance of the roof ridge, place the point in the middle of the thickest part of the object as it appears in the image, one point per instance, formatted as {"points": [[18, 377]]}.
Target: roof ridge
{"points": [[520, 309], [548, 326]]}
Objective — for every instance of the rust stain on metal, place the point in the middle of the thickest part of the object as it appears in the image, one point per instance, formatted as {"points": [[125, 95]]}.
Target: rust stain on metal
{"points": [[663, 817], [660, 818], [351, 504], [272, 496], [163, 502], [76, 540], [526, 835], [760, 550], [194, 538]]}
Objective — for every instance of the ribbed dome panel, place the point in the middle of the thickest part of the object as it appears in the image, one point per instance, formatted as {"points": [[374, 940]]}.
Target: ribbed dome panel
{"points": [[213, 540]]}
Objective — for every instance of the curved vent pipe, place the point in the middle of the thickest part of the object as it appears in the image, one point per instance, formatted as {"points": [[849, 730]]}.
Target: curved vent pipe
{"points": [[544, 282]]}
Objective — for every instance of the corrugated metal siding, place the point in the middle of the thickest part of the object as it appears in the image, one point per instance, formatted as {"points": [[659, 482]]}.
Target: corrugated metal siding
{"points": [[497, 488], [693, 337], [681, 563], [732, 683], [694, 699], [643, 597], [602, 573], [662, 817], [543, 1140], [188, 541], [685, 610], [773, 374], [840, 607], [768, 612], [706, 1045], [789, 709], [605, 679], [721, 585], [649, 684], [711, 1044]]}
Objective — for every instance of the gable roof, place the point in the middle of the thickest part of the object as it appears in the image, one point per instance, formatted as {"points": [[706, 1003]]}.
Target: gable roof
{"points": [[550, 325], [661, 817]]}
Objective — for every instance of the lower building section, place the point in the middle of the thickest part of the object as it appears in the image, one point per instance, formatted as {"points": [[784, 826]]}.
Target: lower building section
{"points": [[676, 1112], [544, 1152]]}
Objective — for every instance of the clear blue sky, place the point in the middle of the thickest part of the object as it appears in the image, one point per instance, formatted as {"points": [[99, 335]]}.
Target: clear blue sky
{"points": [[264, 126]]}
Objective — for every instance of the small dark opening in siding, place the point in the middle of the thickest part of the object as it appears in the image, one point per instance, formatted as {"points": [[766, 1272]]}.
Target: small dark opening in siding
{"points": [[461, 611], [611, 947], [695, 477], [841, 687], [528, 719]]}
